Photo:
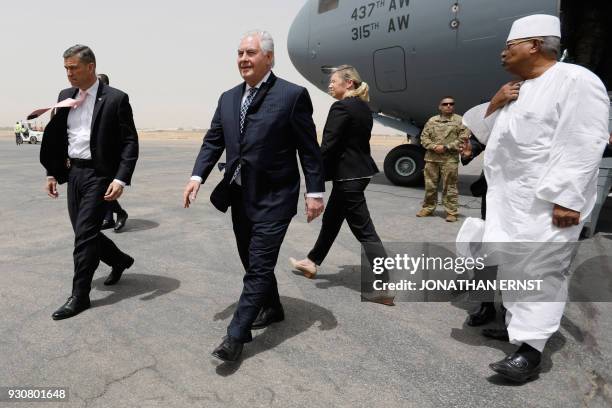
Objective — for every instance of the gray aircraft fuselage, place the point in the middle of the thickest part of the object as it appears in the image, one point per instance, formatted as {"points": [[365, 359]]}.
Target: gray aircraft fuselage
{"points": [[411, 53]]}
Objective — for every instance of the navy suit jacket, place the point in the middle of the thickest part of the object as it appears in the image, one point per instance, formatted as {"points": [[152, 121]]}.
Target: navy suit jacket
{"points": [[113, 139], [278, 124]]}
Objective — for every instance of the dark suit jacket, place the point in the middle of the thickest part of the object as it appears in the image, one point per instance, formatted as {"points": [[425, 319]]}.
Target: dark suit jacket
{"points": [[278, 123], [346, 140], [479, 187], [113, 139]]}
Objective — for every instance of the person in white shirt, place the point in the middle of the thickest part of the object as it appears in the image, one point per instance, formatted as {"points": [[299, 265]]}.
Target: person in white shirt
{"points": [[539, 190], [92, 145]]}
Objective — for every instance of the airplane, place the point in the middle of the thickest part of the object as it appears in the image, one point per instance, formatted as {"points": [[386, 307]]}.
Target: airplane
{"points": [[413, 53]]}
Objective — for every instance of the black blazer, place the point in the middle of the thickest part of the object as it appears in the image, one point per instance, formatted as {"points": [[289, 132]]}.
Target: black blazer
{"points": [[278, 124], [479, 187], [113, 139], [346, 141]]}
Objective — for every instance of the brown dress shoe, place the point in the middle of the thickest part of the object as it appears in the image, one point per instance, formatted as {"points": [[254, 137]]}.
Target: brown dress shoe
{"points": [[451, 218], [382, 299]]}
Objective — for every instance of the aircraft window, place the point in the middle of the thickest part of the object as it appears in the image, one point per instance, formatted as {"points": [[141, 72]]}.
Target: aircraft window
{"points": [[327, 5]]}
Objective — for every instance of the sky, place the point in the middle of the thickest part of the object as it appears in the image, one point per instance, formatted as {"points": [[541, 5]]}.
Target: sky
{"points": [[173, 58]]}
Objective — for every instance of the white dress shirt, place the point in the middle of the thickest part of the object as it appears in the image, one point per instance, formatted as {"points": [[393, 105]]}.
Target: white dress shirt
{"points": [[244, 96], [79, 126]]}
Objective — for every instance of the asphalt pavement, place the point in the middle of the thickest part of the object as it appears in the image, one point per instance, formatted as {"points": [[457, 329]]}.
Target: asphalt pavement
{"points": [[146, 342]]}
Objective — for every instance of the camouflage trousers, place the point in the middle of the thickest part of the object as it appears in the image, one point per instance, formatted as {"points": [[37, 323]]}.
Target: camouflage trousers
{"points": [[447, 173]]}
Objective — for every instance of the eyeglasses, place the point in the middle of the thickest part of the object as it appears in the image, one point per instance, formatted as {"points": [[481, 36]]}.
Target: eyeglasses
{"points": [[448, 104], [511, 44]]}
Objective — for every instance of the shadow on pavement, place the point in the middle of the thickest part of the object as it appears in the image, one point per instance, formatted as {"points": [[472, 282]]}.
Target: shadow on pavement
{"points": [[300, 315], [348, 276], [135, 224], [132, 285]]}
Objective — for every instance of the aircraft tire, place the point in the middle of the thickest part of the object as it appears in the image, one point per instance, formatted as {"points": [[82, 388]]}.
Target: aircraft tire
{"points": [[404, 165]]}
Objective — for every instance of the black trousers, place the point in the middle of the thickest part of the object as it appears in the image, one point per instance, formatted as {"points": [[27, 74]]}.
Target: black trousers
{"points": [[489, 273], [347, 201], [113, 207], [86, 207], [258, 246]]}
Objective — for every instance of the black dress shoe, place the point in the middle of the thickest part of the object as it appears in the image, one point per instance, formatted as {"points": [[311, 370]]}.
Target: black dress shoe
{"points": [[484, 315], [121, 219], [228, 350], [73, 306], [117, 271], [267, 316], [516, 367], [497, 334], [107, 224]]}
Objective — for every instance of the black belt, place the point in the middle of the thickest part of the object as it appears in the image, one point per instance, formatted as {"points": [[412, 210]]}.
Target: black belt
{"points": [[81, 163]]}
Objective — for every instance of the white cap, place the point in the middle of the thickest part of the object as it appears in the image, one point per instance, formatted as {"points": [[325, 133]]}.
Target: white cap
{"points": [[536, 25]]}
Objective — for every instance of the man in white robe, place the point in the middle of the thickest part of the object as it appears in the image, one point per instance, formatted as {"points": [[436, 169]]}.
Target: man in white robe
{"points": [[545, 133]]}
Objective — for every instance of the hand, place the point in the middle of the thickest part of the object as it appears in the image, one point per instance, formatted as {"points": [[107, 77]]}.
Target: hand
{"points": [[113, 191], [190, 193], [439, 149], [314, 208], [51, 188], [506, 94], [466, 149], [564, 217]]}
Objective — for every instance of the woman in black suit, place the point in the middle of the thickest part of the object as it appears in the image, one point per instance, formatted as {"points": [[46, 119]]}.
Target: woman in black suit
{"points": [[347, 161]]}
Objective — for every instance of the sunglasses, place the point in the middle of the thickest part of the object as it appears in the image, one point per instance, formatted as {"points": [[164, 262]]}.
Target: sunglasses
{"points": [[448, 104]]}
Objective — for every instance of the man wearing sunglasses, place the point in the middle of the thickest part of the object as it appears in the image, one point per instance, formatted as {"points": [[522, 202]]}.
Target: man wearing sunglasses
{"points": [[442, 137]]}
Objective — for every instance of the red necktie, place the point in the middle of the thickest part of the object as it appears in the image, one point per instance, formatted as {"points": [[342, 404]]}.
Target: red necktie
{"points": [[66, 103]]}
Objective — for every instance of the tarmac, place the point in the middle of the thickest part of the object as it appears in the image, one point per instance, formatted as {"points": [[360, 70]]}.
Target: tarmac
{"points": [[146, 342]]}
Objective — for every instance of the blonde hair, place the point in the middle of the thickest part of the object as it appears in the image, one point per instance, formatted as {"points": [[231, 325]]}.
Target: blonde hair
{"points": [[362, 89]]}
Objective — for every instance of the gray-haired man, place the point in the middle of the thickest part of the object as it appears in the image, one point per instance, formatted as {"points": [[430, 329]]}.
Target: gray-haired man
{"points": [[261, 124]]}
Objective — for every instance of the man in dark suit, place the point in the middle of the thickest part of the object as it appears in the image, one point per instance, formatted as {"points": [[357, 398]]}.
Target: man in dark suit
{"points": [[486, 310], [92, 145], [260, 123], [113, 206]]}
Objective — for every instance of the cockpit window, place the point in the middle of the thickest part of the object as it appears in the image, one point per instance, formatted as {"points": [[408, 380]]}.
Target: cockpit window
{"points": [[327, 5]]}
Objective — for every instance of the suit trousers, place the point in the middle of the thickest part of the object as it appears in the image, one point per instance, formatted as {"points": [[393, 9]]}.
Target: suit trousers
{"points": [[347, 201], [86, 207], [113, 207], [258, 246]]}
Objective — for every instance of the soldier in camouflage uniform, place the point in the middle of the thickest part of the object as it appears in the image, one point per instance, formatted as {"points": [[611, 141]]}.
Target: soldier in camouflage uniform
{"points": [[442, 137]]}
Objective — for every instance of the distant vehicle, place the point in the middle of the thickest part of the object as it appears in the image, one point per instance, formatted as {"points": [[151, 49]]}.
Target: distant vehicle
{"points": [[413, 53], [30, 135]]}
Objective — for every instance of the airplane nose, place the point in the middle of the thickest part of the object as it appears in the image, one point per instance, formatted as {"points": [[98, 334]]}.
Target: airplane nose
{"points": [[297, 40]]}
